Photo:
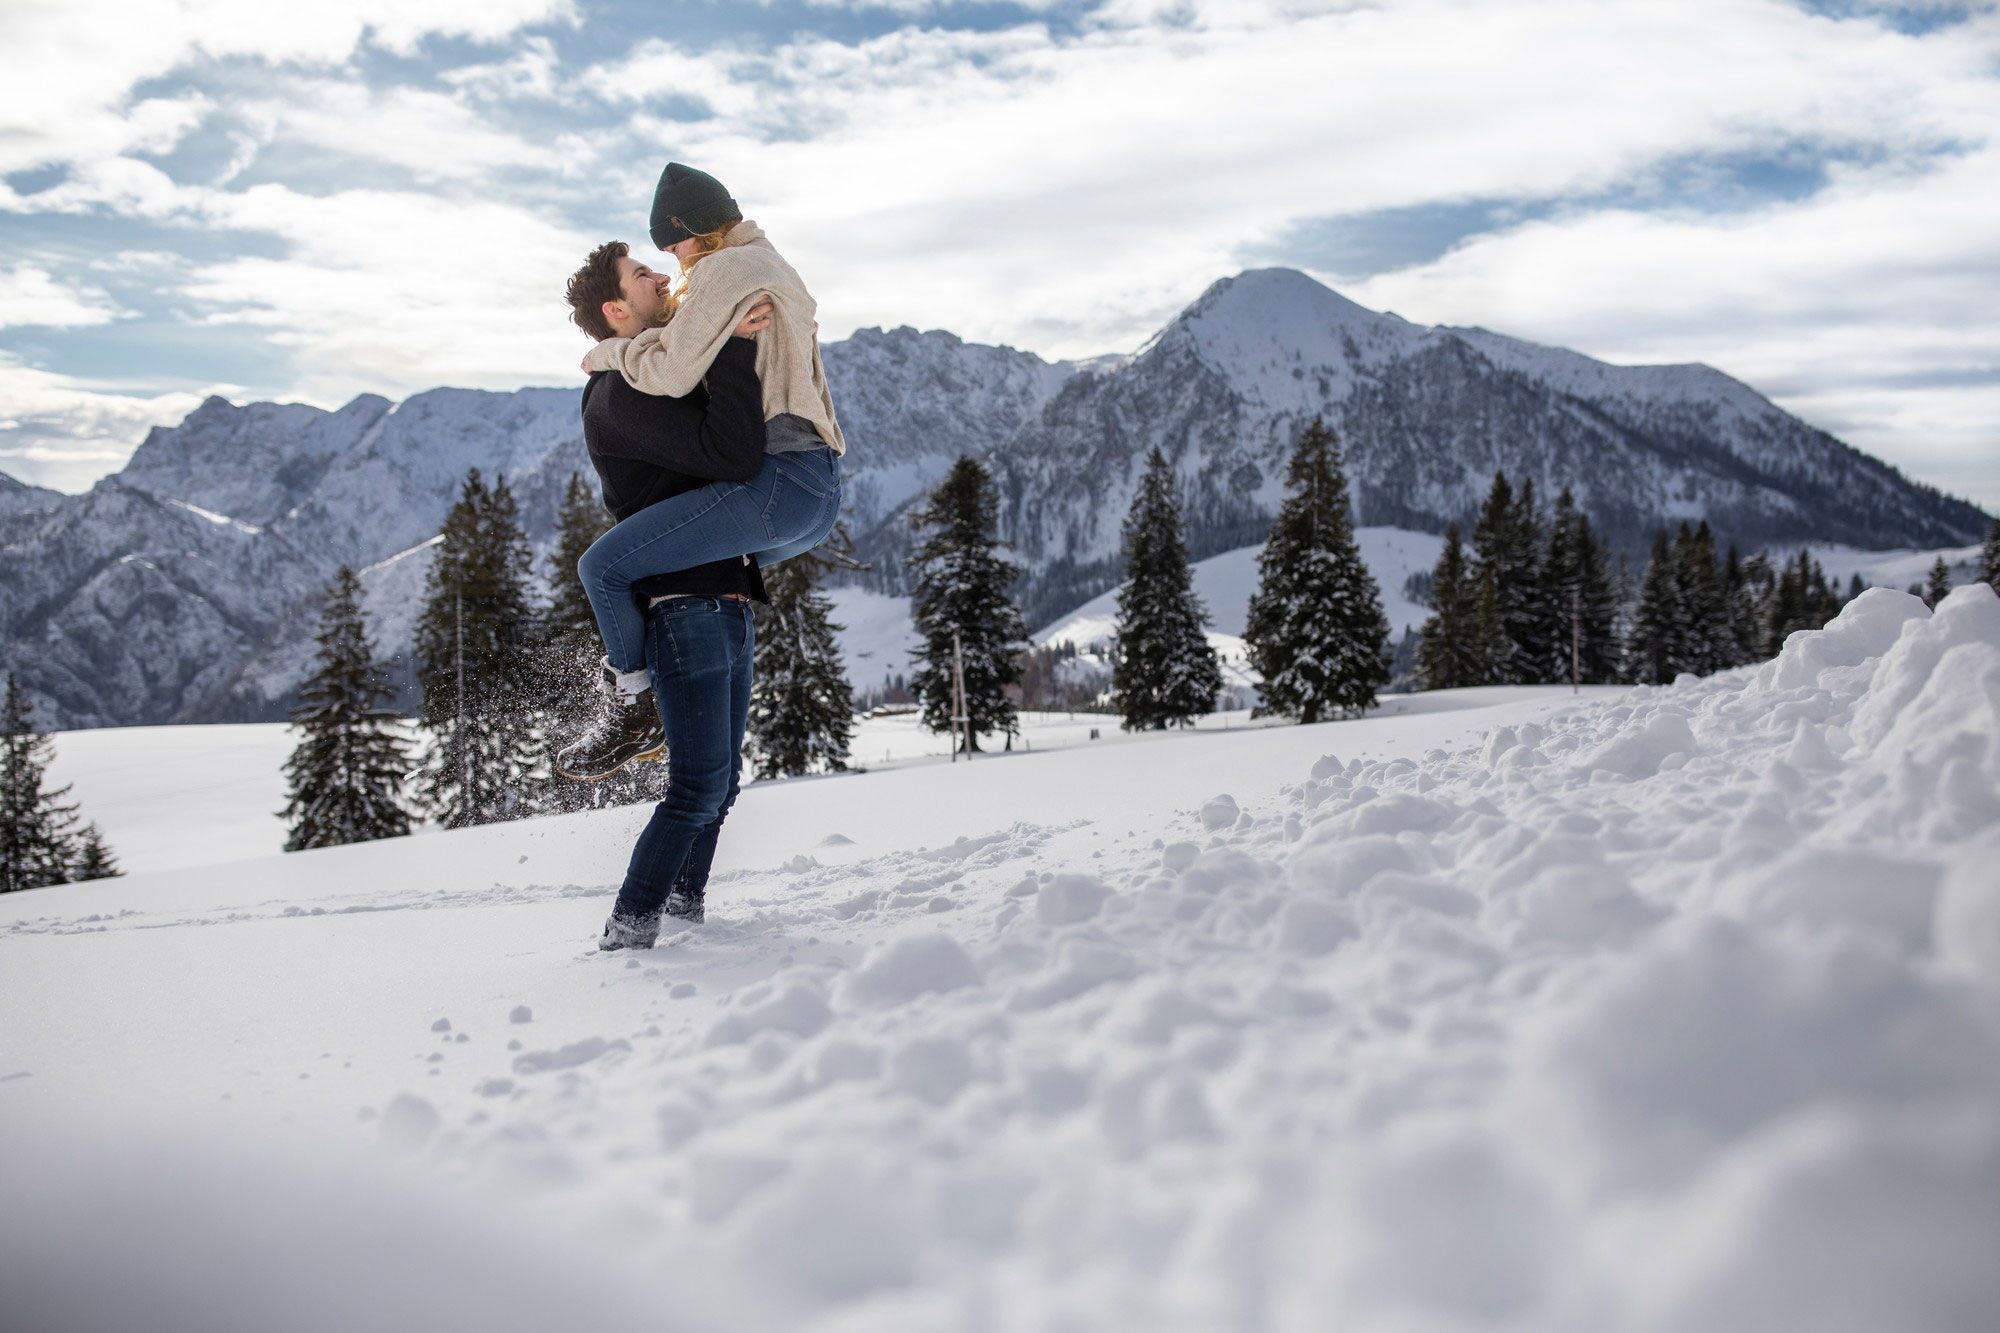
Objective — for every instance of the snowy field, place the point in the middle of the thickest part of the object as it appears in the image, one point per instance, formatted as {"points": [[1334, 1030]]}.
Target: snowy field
{"points": [[1660, 1009], [173, 797]]}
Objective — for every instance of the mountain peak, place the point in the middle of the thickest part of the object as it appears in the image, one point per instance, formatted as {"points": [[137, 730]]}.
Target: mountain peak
{"points": [[1286, 339], [1282, 293]]}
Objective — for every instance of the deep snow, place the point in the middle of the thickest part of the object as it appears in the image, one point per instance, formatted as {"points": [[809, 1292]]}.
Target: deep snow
{"points": [[1665, 1008]]}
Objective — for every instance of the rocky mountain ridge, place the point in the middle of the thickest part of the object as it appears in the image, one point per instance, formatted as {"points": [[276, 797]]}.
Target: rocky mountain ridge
{"points": [[186, 587]]}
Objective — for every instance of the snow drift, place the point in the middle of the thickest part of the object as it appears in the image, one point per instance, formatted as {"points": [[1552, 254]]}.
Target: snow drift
{"points": [[1678, 1009]]}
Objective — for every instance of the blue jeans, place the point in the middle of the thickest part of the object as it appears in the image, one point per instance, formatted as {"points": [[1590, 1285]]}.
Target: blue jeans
{"points": [[786, 510], [698, 652]]}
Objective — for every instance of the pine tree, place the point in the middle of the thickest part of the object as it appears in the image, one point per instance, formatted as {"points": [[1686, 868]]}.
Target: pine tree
{"points": [[345, 777], [1938, 585], [93, 858], [1855, 587], [1580, 601], [1821, 602], [1598, 649], [1540, 647], [1989, 558], [1316, 632], [1166, 672], [1652, 650], [1750, 608], [38, 840], [801, 705], [475, 644], [1703, 613], [1504, 543], [960, 585], [1450, 653], [568, 663], [569, 624]]}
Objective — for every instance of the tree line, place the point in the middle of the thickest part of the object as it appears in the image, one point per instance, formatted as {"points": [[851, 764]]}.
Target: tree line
{"points": [[504, 679], [41, 841], [1536, 598]]}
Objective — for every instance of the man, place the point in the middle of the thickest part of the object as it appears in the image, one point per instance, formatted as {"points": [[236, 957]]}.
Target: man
{"points": [[699, 632]]}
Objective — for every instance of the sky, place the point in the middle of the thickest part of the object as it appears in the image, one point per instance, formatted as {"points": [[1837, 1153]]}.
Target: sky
{"points": [[309, 202]]}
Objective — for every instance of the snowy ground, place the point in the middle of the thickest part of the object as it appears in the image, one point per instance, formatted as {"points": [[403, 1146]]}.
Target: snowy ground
{"points": [[172, 797], [1662, 1009], [1888, 569]]}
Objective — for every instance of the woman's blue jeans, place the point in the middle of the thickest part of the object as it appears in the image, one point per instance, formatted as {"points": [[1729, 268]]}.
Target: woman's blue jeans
{"points": [[698, 651], [786, 510]]}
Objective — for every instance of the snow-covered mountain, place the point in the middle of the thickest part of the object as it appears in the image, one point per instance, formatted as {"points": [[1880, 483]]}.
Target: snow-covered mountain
{"points": [[186, 587], [1426, 415], [21, 504]]}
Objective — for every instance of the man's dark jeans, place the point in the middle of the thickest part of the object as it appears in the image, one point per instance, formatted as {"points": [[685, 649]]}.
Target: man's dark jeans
{"points": [[698, 652]]}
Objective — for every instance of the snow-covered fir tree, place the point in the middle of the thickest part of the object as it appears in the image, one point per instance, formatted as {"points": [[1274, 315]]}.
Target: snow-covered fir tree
{"points": [[1577, 587], [475, 646], [1653, 647], [1454, 647], [1938, 584], [1989, 558], [38, 837], [1166, 673], [1504, 541], [93, 858], [1316, 633], [960, 582], [1702, 640], [1801, 599], [345, 777], [569, 625], [801, 704], [569, 662], [1745, 585]]}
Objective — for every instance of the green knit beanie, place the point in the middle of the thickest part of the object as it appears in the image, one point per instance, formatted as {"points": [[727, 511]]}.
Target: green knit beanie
{"points": [[688, 203]]}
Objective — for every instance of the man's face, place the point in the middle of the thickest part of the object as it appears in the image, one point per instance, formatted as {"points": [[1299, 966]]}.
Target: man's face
{"points": [[644, 293]]}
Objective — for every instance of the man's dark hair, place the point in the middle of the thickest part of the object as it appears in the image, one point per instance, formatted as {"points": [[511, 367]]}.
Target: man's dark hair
{"points": [[594, 284]]}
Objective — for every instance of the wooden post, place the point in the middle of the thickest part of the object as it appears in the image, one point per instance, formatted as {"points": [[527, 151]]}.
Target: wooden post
{"points": [[1575, 641], [464, 754], [959, 717]]}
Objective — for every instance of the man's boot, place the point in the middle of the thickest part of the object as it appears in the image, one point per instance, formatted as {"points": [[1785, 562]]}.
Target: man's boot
{"points": [[628, 728], [683, 906], [629, 932]]}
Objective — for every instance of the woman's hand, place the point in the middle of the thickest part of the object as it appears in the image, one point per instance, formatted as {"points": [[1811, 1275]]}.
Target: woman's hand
{"points": [[756, 321]]}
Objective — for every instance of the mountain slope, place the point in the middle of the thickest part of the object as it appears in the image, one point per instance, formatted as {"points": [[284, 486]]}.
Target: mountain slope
{"points": [[1426, 416]]}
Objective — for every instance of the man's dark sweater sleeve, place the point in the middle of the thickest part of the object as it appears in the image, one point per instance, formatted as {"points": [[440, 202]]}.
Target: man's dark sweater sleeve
{"points": [[728, 444]]}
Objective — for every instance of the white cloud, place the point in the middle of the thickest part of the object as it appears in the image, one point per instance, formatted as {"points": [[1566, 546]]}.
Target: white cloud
{"points": [[31, 297], [69, 71], [1069, 192], [64, 431], [396, 292], [531, 74]]}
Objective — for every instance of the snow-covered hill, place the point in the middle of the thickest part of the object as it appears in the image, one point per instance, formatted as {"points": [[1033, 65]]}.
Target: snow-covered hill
{"points": [[186, 587], [1658, 1009]]}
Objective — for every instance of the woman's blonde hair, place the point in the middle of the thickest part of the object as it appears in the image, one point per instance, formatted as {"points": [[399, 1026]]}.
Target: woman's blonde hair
{"points": [[705, 244]]}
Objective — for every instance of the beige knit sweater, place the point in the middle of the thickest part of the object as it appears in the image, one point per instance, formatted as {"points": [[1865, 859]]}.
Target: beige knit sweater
{"points": [[672, 359]]}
